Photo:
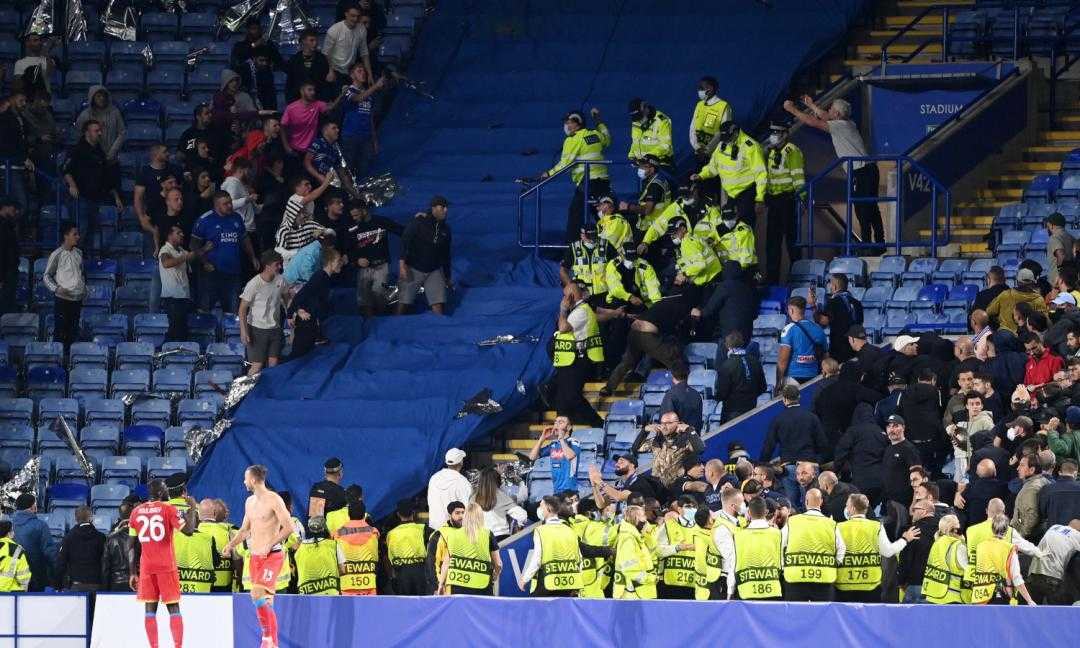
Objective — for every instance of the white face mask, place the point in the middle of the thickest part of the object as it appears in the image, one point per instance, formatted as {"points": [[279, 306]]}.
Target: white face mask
{"points": [[1011, 433], [774, 140], [641, 173], [729, 223], [627, 263], [742, 509], [701, 95], [566, 129], [589, 244], [688, 202], [676, 240]]}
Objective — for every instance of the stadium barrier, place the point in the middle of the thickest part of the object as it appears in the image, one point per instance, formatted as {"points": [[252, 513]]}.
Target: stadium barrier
{"points": [[44, 621], [224, 621], [749, 429]]}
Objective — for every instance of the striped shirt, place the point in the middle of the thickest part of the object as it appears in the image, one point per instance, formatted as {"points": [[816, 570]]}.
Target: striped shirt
{"points": [[293, 235]]}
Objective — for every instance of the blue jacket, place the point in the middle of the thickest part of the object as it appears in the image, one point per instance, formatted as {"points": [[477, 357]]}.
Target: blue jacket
{"points": [[32, 534]]}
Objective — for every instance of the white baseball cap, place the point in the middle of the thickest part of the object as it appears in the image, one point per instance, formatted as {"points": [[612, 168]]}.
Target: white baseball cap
{"points": [[1064, 299], [454, 456], [902, 341]]}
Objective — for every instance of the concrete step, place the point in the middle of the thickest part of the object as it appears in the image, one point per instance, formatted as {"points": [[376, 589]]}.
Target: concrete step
{"points": [[999, 194], [974, 248], [1056, 137], [914, 7], [896, 49], [968, 222], [879, 36], [959, 232], [1010, 180], [983, 206], [901, 21], [1032, 168]]}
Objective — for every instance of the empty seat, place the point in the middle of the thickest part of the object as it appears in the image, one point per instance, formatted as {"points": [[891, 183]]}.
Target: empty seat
{"points": [[122, 470], [67, 495], [902, 298], [153, 412], [930, 297], [103, 410], [78, 82], [17, 434], [43, 354], [107, 497], [86, 381], [108, 330], [164, 467], [46, 382], [165, 78], [950, 271], [151, 328], [704, 381], [186, 354], [853, 267], [919, 271], [226, 356], [9, 381], [629, 408], [209, 381], [143, 440], [769, 324], [590, 438], [126, 80], [100, 436], [129, 381], [706, 350], [138, 271], [158, 26], [175, 442], [134, 355], [806, 271], [1012, 242], [88, 354], [197, 411], [173, 379], [51, 408], [961, 296], [896, 322]]}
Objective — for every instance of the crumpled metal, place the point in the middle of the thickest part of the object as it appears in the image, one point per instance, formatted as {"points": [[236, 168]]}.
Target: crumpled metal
{"points": [[521, 388], [481, 403], [76, 21], [507, 338], [24, 481], [61, 428], [174, 6], [121, 25], [148, 56], [202, 361], [198, 439], [41, 20], [238, 14], [131, 398], [405, 82], [288, 19], [377, 190], [192, 58], [238, 389]]}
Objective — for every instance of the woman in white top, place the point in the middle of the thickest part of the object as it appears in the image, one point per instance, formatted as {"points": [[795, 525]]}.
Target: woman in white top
{"points": [[498, 508]]}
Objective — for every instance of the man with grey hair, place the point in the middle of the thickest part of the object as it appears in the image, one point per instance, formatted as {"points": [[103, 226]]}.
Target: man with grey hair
{"points": [[848, 142]]}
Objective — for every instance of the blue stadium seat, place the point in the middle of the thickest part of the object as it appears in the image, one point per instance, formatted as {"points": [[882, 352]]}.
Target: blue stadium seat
{"points": [[205, 24], [204, 379], [228, 356], [78, 82], [704, 381], [175, 443], [68, 469], [164, 467], [19, 328], [46, 382], [134, 355], [152, 412], [107, 497], [173, 132], [165, 79], [158, 26], [100, 436], [961, 297], [138, 271], [129, 381], [769, 324], [52, 408], [142, 135], [919, 272], [590, 438], [853, 267], [172, 379], [98, 301], [9, 381], [207, 78], [43, 354], [629, 408], [188, 354], [125, 470], [976, 273], [805, 271], [143, 440], [929, 321], [706, 350], [126, 80], [132, 299], [143, 111], [768, 349], [129, 244], [1041, 189], [930, 298], [950, 271], [896, 322], [203, 327], [775, 300], [1037, 242], [1012, 242], [88, 381], [100, 271], [230, 329], [67, 495], [200, 412], [103, 410], [151, 328], [87, 55], [17, 434], [902, 298]]}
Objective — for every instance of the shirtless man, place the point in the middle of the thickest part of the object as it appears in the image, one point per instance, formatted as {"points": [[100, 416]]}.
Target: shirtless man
{"points": [[266, 525]]}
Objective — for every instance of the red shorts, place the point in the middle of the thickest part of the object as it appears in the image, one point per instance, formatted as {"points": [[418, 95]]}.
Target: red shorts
{"points": [[264, 570], [164, 587]]}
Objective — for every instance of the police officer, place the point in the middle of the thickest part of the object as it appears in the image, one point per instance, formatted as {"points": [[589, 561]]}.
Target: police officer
{"points": [[650, 133], [610, 225], [555, 563], [736, 241], [357, 552], [634, 565], [946, 564], [675, 546], [585, 261], [406, 550], [317, 570], [597, 529], [14, 568], [691, 207], [655, 194], [196, 554], [213, 522], [758, 557], [578, 349], [997, 569], [739, 162], [858, 578], [631, 281], [582, 144], [813, 547], [695, 261], [710, 113], [784, 164]]}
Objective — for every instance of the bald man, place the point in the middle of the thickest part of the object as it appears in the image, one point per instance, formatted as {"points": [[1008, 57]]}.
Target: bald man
{"points": [[972, 498], [836, 495], [976, 533], [813, 548]]}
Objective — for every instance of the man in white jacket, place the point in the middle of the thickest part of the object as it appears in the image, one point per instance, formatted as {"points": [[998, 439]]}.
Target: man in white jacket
{"points": [[447, 485]]}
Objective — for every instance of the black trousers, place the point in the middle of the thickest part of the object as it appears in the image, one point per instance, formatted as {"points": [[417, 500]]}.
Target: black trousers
{"points": [[744, 207], [576, 214], [8, 284], [780, 228], [410, 580], [640, 344], [66, 327], [809, 592], [305, 333], [177, 310], [674, 592], [861, 596], [865, 185], [569, 397]]}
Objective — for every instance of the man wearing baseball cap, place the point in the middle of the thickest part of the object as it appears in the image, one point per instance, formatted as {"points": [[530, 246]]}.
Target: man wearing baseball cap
{"points": [[1026, 291], [655, 192], [1059, 245], [425, 258], [610, 225], [586, 261], [896, 462], [447, 485]]}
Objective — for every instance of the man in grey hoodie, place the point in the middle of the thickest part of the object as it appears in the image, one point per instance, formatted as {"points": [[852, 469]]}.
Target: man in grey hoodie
{"points": [[101, 109]]}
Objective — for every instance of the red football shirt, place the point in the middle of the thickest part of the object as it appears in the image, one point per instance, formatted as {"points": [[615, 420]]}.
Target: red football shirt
{"points": [[153, 524]]}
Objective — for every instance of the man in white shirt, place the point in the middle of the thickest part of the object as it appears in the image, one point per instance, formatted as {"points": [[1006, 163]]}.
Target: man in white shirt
{"points": [[808, 591], [725, 522], [260, 313], [1047, 578], [36, 66], [345, 42], [175, 284], [447, 485], [65, 279], [244, 202]]}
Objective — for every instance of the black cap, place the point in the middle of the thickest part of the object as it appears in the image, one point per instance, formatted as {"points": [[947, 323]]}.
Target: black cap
{"points": [[176, 480], [635, 106], [632, 458], [856, 331], [332, 465], [589, 228], [895, 418], [440, 201], [674, 224], [691, 460], [649, 158], [729, 209], [778, 127], [405, 508]]}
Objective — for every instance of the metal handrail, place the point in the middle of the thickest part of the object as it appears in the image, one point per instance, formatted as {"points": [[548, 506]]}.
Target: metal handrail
{"points": [[536, 245], [57, 186], [936, 187]]}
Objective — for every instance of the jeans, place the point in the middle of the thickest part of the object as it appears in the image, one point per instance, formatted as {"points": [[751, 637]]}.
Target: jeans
{"points": [[359, 151], [650, 344], [85, 214], [15, 188], [177, 310], [913, 594], [218, 287]]}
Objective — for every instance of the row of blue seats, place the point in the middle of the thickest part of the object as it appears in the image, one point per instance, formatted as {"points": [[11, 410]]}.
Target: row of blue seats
{"points": [[893, 269], [992, 28], [206, 329], [90, 382], [94, 408], [126, 355]]}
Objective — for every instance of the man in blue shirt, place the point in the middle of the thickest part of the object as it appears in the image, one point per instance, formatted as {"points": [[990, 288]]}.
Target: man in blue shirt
{"points": [[33, 535], [803, 346], [555, 442], [221, 268]]}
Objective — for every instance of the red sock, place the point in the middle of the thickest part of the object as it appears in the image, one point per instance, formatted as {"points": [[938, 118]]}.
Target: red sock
{"points": [[263, 613], [272, 618], [150, 621], [176, 624]]}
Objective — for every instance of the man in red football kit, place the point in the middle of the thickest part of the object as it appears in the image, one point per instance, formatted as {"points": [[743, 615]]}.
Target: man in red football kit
{"points": [[267, 523], [151, 560]]}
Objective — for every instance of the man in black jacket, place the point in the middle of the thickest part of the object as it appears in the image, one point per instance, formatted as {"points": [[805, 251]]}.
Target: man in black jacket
{"points": [[91, 179], [896, 462], [734, 304], [14, 148], [78, 567], [308, 65], [841, 312], [740, 378], [913, 557], [425, 258], [836, 495], [920, 406], [860, 451], [796, 431], [114, 560], [972, 498], [1059, 501], [9, 253], [368, 246], [837, 396], [871, 359]]}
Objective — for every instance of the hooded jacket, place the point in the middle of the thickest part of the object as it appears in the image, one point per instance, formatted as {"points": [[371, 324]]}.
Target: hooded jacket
{"points": [[113, 130], [1007, 366], [733, 302], [447, 485], [227, 108], [859, 451]]}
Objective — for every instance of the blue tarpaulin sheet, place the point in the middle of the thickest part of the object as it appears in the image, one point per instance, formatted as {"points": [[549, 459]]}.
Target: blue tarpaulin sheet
{"points": [[504, 72]]}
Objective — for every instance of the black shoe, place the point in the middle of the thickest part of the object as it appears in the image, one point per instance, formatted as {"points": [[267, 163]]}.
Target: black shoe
{"points": [[605, 391]]}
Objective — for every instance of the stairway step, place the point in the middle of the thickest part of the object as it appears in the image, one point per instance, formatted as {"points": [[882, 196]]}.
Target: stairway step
{"points": [[961, 231], [918, 31], [1061, 136], [1034, 167], [897, 49], [968, 222], [899, 22], [974, 247], [913, 7], [503, 457], [520, 444], [986, 204]]}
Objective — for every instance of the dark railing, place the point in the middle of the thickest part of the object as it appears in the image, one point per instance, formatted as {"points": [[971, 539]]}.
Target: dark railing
{"points": [[946, 11], [56, 192], [536, 244], [904, 165]]}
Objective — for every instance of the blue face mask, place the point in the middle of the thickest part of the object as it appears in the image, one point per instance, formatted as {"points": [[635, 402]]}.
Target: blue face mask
{"points": [[689, 514], [847, 516]]}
